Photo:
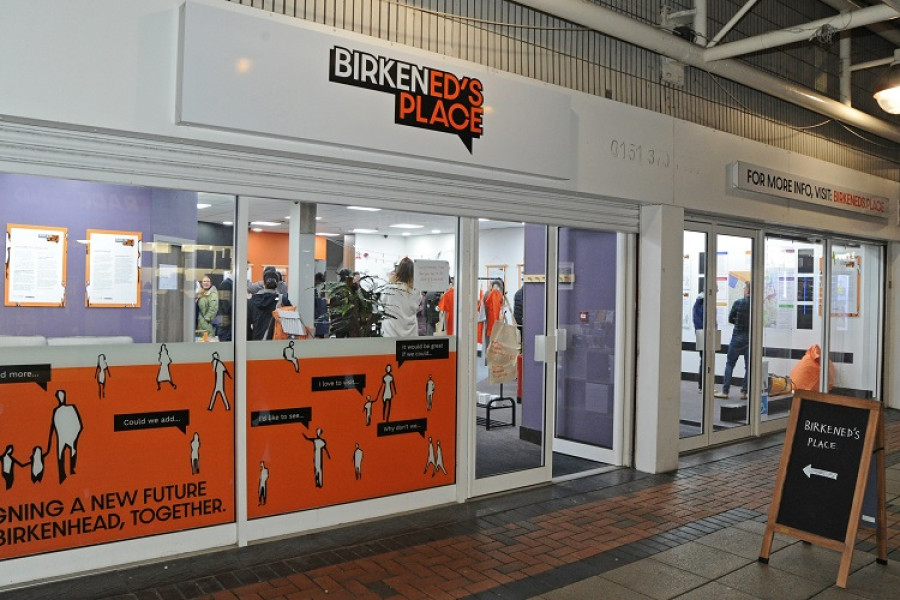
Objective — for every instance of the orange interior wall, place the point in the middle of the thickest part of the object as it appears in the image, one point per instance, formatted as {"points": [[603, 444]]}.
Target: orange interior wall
{"points": [[266, 248]]}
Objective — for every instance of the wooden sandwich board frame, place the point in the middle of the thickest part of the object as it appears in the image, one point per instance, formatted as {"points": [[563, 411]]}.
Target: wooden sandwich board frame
{"points": [[844, 455]]}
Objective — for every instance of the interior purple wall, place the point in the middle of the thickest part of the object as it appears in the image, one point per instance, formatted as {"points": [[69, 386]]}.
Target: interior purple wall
{"points": [[79, 206], [533, 371], [585, 375]]}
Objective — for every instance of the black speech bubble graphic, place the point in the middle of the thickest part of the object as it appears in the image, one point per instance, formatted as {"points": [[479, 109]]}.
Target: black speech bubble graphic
{"points": [[39, 374], [340, 382], [403, 427], [180, 419], [282, 416], [422, 350]]}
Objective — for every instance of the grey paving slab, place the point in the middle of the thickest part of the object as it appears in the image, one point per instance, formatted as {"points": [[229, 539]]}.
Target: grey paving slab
{"points": [[892, 487], [816, 563], [655, 579], [836, 593], [594, 587], [716, 591], [768, 583], [703, 560], [740, 541], [876, 581]]}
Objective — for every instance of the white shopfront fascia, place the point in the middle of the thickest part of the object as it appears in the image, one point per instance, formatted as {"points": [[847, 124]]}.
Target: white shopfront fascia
{"points": [[546, 154]]}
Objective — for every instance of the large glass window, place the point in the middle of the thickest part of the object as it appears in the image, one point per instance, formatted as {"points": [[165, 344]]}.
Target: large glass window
{"points": [[365, 383], [113, 415]]}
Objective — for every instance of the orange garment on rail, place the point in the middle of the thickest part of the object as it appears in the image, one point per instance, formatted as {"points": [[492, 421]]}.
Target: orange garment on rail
{"points": [[493, 303], [445, 305]]}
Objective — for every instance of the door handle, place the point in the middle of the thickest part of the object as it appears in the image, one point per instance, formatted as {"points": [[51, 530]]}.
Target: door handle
{"points": [[544, 348], [561, 340]]}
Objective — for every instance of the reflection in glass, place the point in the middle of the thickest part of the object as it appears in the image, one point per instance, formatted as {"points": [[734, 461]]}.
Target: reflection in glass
{"points": [[792, 322], [692, 413], [856, 275]]}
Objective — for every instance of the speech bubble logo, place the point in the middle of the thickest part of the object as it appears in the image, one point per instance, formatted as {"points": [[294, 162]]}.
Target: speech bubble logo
{"points": [[422, 350], [281, 416], [403, 427], [39, 374], [333, 383], [179, 419]]}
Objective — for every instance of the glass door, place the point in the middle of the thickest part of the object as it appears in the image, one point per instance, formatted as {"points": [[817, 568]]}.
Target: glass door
{"points": [[590, 325], [560, 414], [718, 390], [855, 324], [510, 396], [793, 323]]}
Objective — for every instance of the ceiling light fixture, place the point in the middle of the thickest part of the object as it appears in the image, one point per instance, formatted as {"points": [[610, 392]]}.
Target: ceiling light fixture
{"points": [[202, 205], [887, 88], [265, 223], [364, 231], [367, 208], [407, 226]]}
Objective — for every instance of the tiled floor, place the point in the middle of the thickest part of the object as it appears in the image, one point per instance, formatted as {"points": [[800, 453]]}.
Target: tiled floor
{"points": [[693, 534]]}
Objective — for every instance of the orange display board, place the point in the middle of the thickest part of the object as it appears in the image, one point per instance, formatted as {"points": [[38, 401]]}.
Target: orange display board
{"points": [[326, 431], [106, 453]]}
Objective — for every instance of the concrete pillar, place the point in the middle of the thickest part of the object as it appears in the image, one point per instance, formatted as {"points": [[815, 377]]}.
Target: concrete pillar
{"points": [[659, 339], [302, 260]]}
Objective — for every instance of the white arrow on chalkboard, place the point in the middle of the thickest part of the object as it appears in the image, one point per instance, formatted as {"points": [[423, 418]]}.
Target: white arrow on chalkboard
{"points": [[810, 471]]}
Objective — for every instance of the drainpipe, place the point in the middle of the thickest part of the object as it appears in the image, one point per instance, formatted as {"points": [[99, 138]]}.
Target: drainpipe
{"points": [[700, 22], [844, 47], [616, 25]]}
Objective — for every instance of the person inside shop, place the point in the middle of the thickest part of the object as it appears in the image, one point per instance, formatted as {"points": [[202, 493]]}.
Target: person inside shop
{"points": [[256, 286], [223, 319], [739, 345], [519, 310], [260, 321], [343, 317], [320, 307], [400, 301], [420, 315], [697, 317], [432, 311], [207, 304]]}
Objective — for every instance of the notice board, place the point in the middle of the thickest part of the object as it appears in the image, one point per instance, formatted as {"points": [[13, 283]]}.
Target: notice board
{"points": [[824, 469]]}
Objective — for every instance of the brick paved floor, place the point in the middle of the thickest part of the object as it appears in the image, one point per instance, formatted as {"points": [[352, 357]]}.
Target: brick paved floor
{"points": [[517, 545]]}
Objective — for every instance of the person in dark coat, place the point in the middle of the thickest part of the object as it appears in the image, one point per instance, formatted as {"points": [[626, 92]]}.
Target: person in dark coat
{"points": [[260, 305]]}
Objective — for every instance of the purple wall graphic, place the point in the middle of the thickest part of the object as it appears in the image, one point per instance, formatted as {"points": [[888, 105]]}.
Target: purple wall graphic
{"points": [[79, 206]]}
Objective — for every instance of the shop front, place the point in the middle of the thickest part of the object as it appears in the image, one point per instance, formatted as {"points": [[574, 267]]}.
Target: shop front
{"points": [[178, 377]]}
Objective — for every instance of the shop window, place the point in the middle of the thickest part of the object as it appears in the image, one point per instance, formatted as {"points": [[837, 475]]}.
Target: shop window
{"points": [[102, 380]]}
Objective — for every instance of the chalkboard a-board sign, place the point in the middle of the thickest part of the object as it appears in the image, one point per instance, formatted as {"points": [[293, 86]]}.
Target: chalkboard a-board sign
{"points": [[824, 469]]}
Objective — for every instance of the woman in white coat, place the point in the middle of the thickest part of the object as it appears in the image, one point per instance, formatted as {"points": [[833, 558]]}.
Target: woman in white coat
{"points": [[400, 301]]}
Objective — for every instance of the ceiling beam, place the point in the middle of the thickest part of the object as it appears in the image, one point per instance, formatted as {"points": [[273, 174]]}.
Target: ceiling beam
{"points": [[619, 26], [802, 33]]}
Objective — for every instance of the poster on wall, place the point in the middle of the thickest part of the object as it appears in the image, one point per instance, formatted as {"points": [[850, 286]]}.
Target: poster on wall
{"points": [[113, 269], [845, 279], [327, 430], [111, 450], [35, 266]]}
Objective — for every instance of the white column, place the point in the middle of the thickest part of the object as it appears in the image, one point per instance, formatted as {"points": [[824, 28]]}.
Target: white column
{"points": [[302, 260], [657, 393], [891, 383]]}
